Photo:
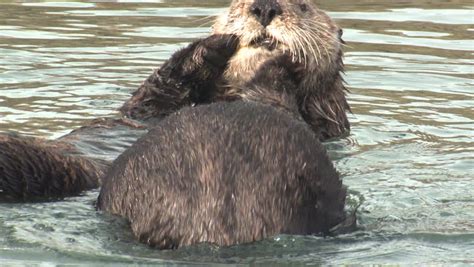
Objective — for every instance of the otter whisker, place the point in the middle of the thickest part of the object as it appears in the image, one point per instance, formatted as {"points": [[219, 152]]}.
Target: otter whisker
{"points": [[333, 114], [203, 18], [320, 111], [303, 47], [317, 40], [299, 45], [305, 37], [300, 41], [315, 36], [206, 24], [323, 29], [291, 45], [311, 44], [275, 40]]}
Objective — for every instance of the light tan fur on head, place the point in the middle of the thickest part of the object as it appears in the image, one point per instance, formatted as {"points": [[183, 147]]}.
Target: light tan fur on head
{"points": [[302, 30]]}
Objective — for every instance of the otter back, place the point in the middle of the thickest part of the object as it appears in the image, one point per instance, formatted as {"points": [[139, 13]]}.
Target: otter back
{"points": [[224, 174]]}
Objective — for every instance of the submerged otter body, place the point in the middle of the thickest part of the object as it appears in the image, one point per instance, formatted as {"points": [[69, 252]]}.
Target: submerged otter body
{"points": [[224, 174]]}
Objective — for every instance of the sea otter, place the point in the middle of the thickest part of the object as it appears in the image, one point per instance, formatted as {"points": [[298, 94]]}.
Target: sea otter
{"points": [[265, 29], [220, 67], [229, 173]]}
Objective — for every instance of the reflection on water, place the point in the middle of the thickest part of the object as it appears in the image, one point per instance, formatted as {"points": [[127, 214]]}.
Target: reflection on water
{"points": [[409, 158]]}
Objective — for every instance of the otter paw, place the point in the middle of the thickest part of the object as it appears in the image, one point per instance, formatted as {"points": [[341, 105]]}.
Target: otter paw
{"points": [[217, 49], [281, 70], [293, 68]]}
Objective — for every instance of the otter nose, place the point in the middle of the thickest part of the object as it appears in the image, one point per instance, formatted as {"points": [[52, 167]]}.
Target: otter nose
{"points": [[265, 11]]}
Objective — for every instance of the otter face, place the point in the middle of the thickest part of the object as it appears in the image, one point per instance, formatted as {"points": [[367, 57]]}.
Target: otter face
{"points": [[268, 28]]}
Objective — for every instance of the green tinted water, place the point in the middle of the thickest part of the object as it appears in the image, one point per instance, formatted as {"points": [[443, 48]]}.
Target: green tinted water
{"points": [[409, 159]]}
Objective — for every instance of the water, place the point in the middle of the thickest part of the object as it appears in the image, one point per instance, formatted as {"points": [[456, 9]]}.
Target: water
{"points": [[409, 159]]}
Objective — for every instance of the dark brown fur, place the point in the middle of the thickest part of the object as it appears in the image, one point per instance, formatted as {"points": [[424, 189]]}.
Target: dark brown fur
{"points": [[36, 169], [33, 169], [191, 75], [310, 37], [50, 171], [224, 173], [228, 173]]}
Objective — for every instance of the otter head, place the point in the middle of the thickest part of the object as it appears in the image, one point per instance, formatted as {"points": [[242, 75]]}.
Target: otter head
{"points": [[268, 28]]}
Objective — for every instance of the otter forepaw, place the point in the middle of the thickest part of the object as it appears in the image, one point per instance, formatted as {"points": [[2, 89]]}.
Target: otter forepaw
{"points": [[282, 70], [219, 48], [293, 68]]}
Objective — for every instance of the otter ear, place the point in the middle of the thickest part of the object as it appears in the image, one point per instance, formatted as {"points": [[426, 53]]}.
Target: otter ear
{"points": [[339, 34]]}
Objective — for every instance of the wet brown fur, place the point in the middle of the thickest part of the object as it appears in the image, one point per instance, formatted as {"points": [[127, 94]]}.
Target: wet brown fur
{"points": [[228, 173], [34, 169], [307, 34], [37, 169], [224, 173], [313, 39]]}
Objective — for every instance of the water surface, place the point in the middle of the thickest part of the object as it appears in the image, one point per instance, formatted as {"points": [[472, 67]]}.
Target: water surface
{"points": [[409, 159]]}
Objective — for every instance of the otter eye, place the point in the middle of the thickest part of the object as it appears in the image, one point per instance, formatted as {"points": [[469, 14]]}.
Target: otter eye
{"points": [[304, 7]]}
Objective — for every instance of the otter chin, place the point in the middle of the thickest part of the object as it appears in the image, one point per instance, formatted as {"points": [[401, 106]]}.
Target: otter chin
{"points": [[294, 26]]}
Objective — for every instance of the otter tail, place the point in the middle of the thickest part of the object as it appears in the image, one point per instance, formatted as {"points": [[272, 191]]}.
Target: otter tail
{"points": [[33, 169]]}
